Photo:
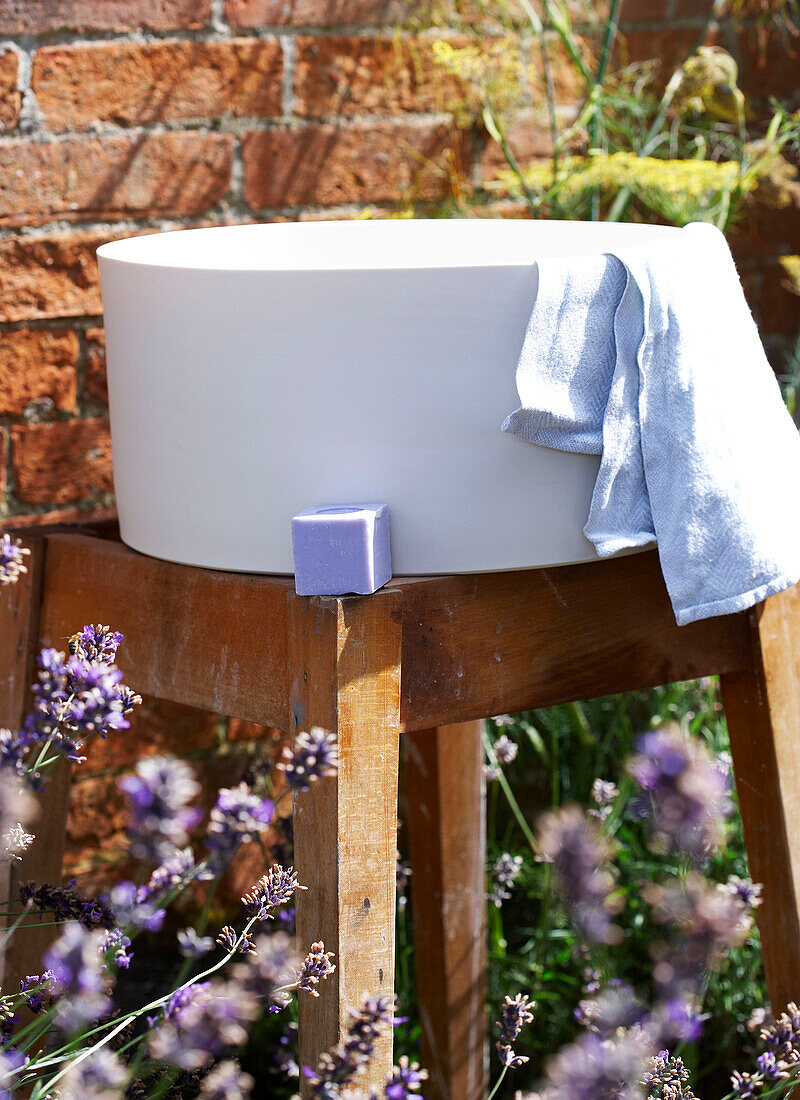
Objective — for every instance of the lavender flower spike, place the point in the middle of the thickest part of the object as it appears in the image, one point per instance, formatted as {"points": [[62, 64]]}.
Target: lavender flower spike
{"points": [[79, 982], [667, 1078], [340, 1066], [201, 1022], [12, 559], [160, 818], [505, 872], [573, 844], [515, 1013], [317, 966], [226, 1082], [313, 755], [405, 1079], [101, 1076], [238, 815], [688, 794], [272, 890]]}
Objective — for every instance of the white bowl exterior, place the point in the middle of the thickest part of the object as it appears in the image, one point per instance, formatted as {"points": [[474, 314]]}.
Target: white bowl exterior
{"points": [[241, 397]]}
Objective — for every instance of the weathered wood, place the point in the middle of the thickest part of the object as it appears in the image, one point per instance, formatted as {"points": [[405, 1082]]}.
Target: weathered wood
{"points": [[472, 645], [447, 834], [504, 642], [345, 676], [209, 639], [20, 606], [762, 706]]}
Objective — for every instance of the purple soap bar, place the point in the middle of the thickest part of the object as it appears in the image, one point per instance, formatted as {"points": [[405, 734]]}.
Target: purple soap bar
{"points": [[341, 548]]}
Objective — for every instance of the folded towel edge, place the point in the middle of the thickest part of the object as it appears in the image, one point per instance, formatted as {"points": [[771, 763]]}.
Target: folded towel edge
{"points": [[731, 604]]}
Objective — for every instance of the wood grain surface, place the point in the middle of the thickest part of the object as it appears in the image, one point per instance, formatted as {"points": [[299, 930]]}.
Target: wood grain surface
{"points": [[345, 676], [762, 706], [447, 835]]}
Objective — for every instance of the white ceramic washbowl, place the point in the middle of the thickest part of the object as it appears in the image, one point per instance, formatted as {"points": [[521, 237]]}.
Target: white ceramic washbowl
{"points": [[258, 370]]}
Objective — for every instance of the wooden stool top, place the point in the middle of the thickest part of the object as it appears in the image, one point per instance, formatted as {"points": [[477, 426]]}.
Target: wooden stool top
{"points": [[472, 645]]}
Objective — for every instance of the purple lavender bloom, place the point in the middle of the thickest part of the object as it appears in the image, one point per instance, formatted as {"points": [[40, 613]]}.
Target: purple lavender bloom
{"points": [[100, 1076], [573, 844], [175, 871], [515, 1013], [192, 945], [505, 750], [667, 1078], [76, 963], [96, 643], [317, 966], [226, 1082], [116, 943], [12, 1061], [96, 705], [687, 793], [239, 815], [272, 966], [612, 1008], [286, 1055], [505, 872], [340, 1066], [594, 1068], [778, 1062], [161, 818], [312, 756], [703, 920], [12, 559], [134, 909], [66, 903], [37, 990], [201, 1022], [272, 890], [678, 1017], [405, 1080]]}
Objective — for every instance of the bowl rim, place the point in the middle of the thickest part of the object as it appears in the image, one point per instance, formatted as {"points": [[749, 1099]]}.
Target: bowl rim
{"points": [[374, 244]]}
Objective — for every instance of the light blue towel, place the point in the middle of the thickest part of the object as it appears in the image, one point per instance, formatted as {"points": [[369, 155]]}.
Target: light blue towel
{"points": [[651, 358]]}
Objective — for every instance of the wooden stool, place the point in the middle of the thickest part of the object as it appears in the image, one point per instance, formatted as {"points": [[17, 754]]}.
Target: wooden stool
{"points": [[427, 657]]}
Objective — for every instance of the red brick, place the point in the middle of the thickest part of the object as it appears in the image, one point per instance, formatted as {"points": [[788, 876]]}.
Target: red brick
{"points": [[95, 383], [54, 276], [683, 9], [61, 462], [327, 165], [345, 76], [10, 98], [769, 64], [763, 231], [97, 810], [175, 174], [89, 514], [670, 46], [326, 13], [130, 84], [529, 139], [780, 307], [44, 16], [157, 727], [35, 365], [635, 10]]}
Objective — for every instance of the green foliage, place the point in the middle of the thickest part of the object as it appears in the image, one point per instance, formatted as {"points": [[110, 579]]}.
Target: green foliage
{"points": [[532, 945], [636, 142]]}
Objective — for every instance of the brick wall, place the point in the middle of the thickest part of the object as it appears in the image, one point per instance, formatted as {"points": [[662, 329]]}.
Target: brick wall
{"points": [[125, 116]]}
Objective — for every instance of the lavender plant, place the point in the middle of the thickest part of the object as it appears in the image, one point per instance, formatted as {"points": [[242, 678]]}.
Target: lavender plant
{"points": [[678, 794]]}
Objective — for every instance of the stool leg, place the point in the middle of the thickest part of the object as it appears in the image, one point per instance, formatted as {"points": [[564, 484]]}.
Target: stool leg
{"points": [[345, 676], [762, 705], [20, 609], [447, 833]]}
